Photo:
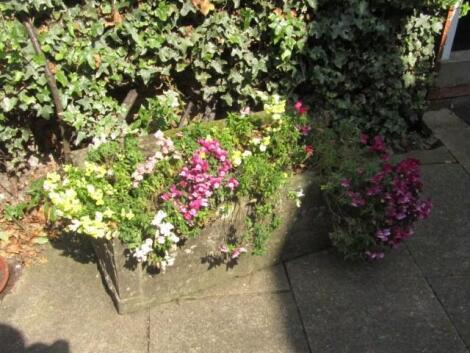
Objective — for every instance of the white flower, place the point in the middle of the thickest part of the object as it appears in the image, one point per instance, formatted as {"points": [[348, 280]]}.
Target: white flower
{"points": [[246, 154], [174, 238], [161, 239], [33, 162], [159, 216], [262, 148], [159, 135], [166, 228], [141, 252], [74, 225]]}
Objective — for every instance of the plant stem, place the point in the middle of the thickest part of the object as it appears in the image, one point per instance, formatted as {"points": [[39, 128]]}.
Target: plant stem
{"points": [[51, 81]]}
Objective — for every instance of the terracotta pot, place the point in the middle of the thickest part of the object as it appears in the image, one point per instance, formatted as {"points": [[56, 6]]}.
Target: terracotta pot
{"points": [[4, 274]]}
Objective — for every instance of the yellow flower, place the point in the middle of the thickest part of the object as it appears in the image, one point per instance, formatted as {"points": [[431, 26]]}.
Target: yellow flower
{"points": [[51, 182], [108, 213], [93, 169], [127, 214], [95, 194], [236, 158]]}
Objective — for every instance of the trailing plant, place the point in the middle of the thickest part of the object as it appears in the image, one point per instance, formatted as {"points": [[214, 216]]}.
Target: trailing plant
{"points": [[152, 202]]}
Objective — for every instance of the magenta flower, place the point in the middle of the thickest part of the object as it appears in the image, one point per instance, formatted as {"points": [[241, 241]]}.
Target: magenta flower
{"points": [[346, 183], [197, 184], [300, 108], [232, 184], [304, 129], [378, 145]]}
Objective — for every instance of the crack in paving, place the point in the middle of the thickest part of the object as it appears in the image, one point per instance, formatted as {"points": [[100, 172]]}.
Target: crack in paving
{"points": [[297, 307], [438, 299]]}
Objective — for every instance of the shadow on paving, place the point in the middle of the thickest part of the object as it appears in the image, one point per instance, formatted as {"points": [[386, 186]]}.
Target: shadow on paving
{"points": [[13, 341]]}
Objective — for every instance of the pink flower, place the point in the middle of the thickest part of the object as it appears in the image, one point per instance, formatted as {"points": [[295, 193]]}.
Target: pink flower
{"points": [[304, 129], [300, 108], [232, 184], [345, 183], [223, 249], [237, 252], [308, 149]]}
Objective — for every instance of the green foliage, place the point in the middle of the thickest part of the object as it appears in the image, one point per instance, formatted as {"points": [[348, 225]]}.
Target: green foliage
{"points": [[368, 61], [101, 198], [35, 195]]}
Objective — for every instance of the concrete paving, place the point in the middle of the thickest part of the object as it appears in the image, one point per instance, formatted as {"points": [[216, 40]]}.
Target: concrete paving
{"points": [[416, 300]]}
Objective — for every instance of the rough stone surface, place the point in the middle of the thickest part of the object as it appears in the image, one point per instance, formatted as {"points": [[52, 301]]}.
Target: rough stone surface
{"points": [[198, 265], [454, 294], [61, 307], [269, 280], [382, 308], [441, 245], [453, 132], [235, 324], [440, 155]]}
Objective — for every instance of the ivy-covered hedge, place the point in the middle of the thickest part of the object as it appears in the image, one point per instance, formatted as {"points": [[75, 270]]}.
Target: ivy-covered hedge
{"points": [[366, 60]]}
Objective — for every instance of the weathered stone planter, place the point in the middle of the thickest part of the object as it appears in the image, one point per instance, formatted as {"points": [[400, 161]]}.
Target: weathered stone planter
{"points": [[198, 265]]}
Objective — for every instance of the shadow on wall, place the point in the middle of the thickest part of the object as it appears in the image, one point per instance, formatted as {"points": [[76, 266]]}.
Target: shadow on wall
{"points": [[12, 341]]}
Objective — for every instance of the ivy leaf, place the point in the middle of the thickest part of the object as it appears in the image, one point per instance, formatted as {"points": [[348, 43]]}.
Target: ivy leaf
{"points": [[313, 3], [8, 104]]}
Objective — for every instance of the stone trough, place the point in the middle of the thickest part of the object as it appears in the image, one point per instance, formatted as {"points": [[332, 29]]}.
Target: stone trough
{"points": [[198, 264]]}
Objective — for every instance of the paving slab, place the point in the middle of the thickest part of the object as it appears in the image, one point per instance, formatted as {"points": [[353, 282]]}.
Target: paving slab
{"points": [[454, 294], [441, 246], [381, 308], [453, 132], [269, 280], [62, 307], [266, 323], [440, 155]]}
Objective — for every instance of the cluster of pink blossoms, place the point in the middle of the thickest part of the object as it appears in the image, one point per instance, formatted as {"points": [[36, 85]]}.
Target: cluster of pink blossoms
{"points": [[196, 184], [166, 148]]}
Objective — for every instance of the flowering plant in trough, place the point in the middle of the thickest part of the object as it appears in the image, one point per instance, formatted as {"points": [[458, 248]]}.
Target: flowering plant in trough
{"points": [[153, 202], [375, 202]]}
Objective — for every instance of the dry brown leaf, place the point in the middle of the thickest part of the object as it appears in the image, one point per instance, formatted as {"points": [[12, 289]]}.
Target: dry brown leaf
{"points": [[43, 29], [116, 18], [52, 67], [97, 58], [204, 6]]}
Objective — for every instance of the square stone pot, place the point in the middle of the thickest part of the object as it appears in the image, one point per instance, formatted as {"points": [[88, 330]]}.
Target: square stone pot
{"points": [[198, 264]]}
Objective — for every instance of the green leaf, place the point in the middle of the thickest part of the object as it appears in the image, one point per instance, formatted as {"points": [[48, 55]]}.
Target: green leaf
{"points": [[8, 103]]}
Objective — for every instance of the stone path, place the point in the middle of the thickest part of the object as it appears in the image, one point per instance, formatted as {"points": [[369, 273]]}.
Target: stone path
{"points": [[416, 300]]}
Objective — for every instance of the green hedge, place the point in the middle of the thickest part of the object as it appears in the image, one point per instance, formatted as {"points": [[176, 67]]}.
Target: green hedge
{"points": [[366, 60]]}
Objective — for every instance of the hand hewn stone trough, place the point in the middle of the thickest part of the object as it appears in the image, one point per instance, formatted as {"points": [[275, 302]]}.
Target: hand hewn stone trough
{"points": [[199, 264]]}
